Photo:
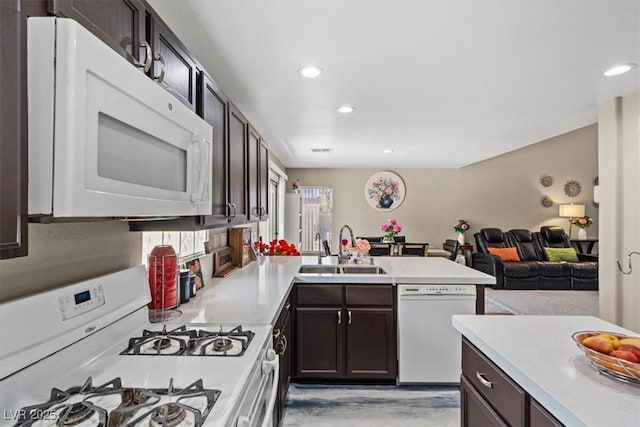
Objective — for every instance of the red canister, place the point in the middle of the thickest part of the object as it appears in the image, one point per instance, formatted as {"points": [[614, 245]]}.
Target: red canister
{"points": [[163, 277]]}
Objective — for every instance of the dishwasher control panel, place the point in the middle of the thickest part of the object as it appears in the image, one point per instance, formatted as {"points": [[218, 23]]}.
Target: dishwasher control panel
{"points": [[437, 289]]}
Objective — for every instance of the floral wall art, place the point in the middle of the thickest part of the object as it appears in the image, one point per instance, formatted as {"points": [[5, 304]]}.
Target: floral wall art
{"points": [[384, 191]]}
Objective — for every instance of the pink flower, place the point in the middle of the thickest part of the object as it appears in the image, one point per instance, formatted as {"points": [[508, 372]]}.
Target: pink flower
{"points": [[397, 228], [392, 221], [383, 227], [465, 226], [456, 223]]}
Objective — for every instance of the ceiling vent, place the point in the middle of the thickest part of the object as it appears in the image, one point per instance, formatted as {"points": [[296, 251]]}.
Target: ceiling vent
{"points": [[321, 150]]}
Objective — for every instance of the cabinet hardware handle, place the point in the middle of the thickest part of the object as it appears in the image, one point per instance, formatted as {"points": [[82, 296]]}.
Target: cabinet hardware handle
{"points": [[288, 306], [285, 344], [349, 314], [276, 333], [148, 58], [339, 317], [159, 78], [483, 380]]}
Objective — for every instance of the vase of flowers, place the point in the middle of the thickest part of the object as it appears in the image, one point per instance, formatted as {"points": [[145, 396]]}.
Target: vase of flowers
{"points": [[391, 228], [358, 253], [461, 226], [582, 222]]}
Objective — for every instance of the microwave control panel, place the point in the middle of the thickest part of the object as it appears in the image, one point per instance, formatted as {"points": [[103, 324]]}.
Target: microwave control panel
{"points": [[81, 302]]}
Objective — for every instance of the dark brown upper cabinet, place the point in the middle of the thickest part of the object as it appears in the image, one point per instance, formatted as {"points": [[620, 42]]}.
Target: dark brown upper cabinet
{"points": [[238, 137], [213, 107], [118, 23], [173, 66], [258, 179], [14, 162], [263, 176], [253, 152]]}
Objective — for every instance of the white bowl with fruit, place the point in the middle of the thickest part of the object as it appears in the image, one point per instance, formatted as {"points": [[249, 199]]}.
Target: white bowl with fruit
{"points": [[614, 353]]}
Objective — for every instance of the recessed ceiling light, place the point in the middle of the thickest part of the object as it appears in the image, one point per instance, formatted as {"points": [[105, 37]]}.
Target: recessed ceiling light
{"points": [[345, 109], [619, 69], [387, 151], [310, 72]]}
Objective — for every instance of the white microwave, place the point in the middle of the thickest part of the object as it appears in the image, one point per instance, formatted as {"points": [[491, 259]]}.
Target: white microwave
{"points": [[104, 139]]}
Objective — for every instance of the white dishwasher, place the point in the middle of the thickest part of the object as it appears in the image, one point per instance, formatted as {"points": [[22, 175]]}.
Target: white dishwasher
{"points": [[429, 347]]}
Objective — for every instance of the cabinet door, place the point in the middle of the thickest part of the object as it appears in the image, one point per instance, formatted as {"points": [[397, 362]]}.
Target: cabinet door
{"points": [[285, 366], [13, 137], [214, 109], [540, 417], [253, 151], [370, 343], [263, 179], [173, 66], [118, 23], [320, 342], [237, 166], [475, 411]]}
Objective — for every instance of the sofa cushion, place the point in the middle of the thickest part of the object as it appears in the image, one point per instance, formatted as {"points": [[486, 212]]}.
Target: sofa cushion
{"points": [[561, 254], [584, 270], [520, 269], [554, 269], [505, 254]]}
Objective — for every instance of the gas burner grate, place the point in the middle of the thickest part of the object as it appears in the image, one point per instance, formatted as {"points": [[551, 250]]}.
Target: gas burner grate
{"points": [[190, 342], [111, 405]]}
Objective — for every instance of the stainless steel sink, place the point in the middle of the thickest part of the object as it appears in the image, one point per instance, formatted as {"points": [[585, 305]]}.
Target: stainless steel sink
{"points": [[365, 269], [319, 269], [341, 269]]}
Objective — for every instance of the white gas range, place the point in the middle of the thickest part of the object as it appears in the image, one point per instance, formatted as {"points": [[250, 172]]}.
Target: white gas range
{"points": [[86, 355]]}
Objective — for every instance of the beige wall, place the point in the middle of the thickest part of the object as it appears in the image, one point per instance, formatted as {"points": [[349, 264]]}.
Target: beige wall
{"points": [[60, 254], [502, 192]]}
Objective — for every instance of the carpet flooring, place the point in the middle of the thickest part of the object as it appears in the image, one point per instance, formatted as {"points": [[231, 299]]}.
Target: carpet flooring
{"points": [[371, 406], [582, 303]]}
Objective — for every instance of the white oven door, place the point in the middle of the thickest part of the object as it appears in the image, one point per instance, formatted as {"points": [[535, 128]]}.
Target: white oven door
{"points": [[104, 139], [256, 408]]}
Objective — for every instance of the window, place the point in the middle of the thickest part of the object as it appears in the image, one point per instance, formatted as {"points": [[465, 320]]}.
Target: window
{"points": [[317, 204]]}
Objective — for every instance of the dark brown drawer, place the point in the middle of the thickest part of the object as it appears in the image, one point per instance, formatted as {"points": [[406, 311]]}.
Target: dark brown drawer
{"points": [[540, 417], [504, 395], [369, 295], [319, 295], [475, 410]]}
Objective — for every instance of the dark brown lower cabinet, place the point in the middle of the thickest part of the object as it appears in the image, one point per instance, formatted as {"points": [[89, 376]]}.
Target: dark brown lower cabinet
{"points": [[345, 332], [282, 346], [489, 397]]}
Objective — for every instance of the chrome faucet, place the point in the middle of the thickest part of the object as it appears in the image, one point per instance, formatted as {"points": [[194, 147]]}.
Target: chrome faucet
{"points": [[343, 257], [318, 238]]}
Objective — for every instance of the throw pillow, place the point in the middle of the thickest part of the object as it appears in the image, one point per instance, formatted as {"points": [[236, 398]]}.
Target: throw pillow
{"points": [[505, 254], [561, 254]]}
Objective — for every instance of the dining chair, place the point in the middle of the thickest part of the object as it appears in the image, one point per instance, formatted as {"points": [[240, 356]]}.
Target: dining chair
{"points": [[452, 246], [414, 249], [380, 249]]}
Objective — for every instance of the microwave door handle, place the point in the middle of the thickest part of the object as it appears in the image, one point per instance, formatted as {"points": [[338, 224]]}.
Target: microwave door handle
{"points": [[202, 175]]}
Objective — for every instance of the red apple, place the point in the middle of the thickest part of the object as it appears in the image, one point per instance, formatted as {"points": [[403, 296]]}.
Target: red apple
{"points": [[626, 355], [632, 348]]}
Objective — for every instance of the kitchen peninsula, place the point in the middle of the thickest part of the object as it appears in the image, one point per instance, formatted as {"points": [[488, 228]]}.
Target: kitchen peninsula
{"points": [[257, 292]]}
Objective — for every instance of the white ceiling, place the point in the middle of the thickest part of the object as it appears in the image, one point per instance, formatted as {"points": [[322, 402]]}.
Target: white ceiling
{"points": [[442, 83]]}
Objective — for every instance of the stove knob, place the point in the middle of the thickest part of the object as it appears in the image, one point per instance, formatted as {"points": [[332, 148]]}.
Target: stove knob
{"points": [[271, 362]]}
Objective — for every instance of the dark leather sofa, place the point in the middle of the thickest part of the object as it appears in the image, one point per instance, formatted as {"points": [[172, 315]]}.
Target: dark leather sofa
{"points": [[533, 271]]}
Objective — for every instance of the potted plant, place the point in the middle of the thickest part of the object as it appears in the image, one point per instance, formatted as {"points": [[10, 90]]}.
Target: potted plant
{"points": [[391, 229], [461, 226]]}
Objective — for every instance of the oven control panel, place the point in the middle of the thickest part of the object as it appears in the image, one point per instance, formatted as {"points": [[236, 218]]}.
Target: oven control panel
{"points": [[73, 305]]}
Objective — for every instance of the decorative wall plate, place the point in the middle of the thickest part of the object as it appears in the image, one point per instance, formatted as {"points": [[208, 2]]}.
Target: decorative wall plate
{"points": [[572, 188], [546, 181], [547, 201], [384, 191]]}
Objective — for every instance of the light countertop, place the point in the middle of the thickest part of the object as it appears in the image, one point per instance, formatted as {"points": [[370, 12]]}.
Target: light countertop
{"points": [[254, 294], [538, 353]]}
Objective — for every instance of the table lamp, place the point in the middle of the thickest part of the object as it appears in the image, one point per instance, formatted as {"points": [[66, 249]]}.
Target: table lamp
{"points": [[571, 211]]}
